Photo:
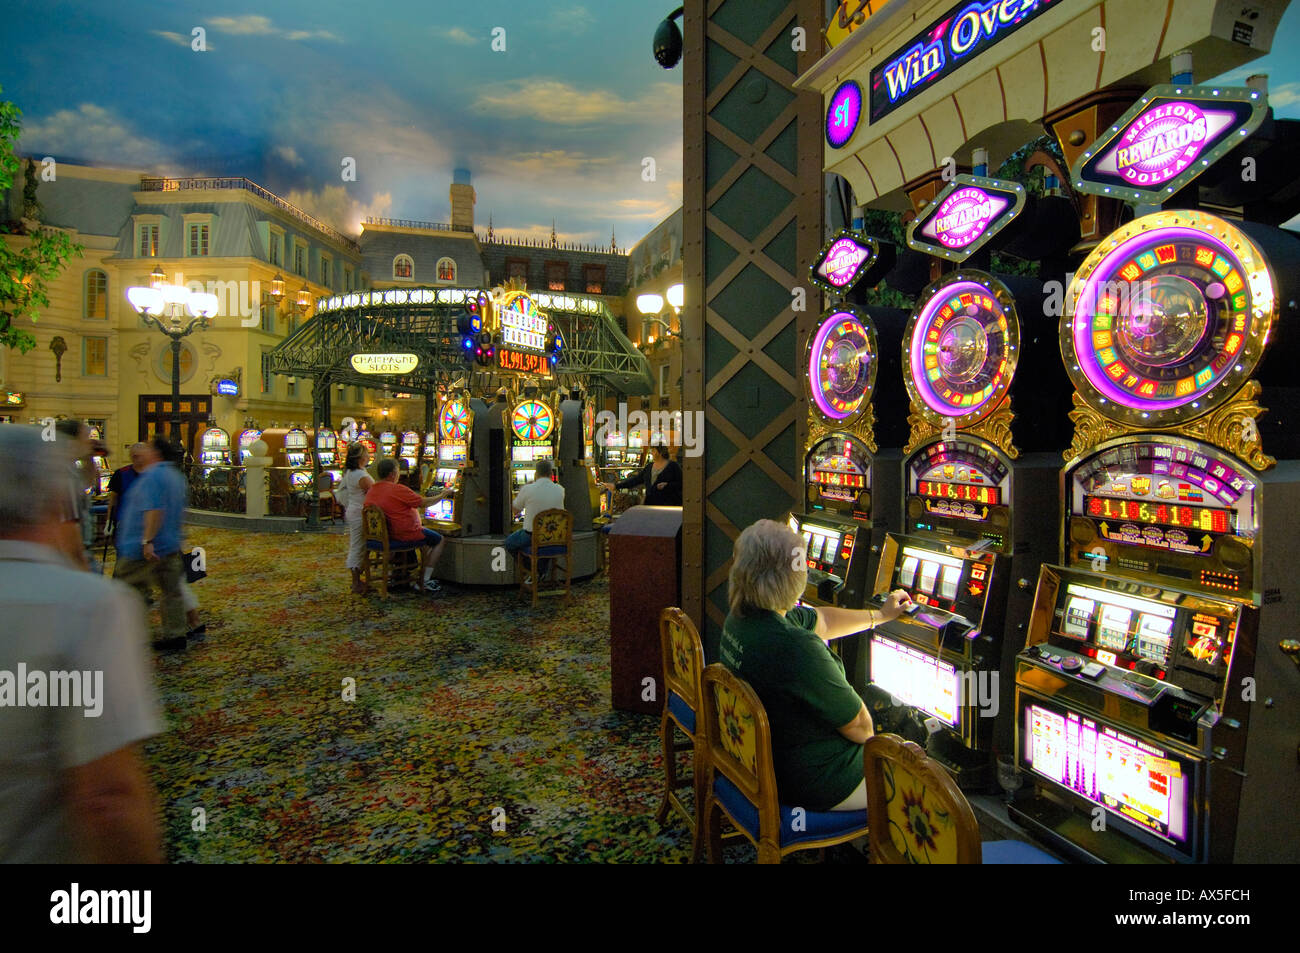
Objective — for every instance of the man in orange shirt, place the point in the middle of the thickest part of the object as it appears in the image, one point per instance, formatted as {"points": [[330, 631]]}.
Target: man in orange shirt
{"points": [[402, 507]]}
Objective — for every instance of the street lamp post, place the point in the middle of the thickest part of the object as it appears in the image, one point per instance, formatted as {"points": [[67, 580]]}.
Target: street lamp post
{"points": [[173, 300]]}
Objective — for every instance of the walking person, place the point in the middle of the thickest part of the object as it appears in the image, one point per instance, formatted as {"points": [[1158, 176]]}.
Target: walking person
{"points": [[75, 439], [149, 538], [72, 787], [119, 484], [352, 493]]}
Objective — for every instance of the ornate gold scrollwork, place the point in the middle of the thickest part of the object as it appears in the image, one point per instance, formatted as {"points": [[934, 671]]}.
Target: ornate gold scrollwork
{"points": [[1230, 427], [995, 427], [864, 428]]}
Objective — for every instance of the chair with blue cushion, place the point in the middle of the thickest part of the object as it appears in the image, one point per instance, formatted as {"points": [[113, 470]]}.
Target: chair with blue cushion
{"points": [[398, 562], [683, 658], [740, 780], [552, 540], [919, 815]]}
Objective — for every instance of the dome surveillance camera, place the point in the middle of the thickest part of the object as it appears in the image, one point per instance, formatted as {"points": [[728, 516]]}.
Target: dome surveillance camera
{"points": [[668, 44]]}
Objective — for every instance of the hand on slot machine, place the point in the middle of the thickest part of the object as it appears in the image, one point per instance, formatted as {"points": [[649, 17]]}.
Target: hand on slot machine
{"points": [[896, 603]]}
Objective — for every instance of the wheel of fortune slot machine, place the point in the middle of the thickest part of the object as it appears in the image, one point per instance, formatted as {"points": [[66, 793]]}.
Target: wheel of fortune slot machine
{"points": [[1156, 707], [972, 526]]}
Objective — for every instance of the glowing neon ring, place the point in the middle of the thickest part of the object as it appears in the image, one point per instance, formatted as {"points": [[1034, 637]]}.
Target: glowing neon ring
{"points": [[1167, 318], [453, 421], [531, 420], [960, 348], [841, 362]]}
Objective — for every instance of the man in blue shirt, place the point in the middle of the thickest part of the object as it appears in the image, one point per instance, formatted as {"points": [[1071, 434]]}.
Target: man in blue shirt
{"points": [[149, 538]]}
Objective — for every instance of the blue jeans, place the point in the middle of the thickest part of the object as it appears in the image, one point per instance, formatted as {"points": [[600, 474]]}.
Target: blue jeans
{"points": [[521, 541]]}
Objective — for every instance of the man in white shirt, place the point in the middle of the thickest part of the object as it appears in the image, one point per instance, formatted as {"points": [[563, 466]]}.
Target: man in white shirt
{"points": [[72, 785], [533, 498]]}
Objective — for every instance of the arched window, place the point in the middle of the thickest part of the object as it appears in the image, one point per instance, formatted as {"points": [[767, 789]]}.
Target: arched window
{"points": [[446, 269], [403, 267], [96, 297]]}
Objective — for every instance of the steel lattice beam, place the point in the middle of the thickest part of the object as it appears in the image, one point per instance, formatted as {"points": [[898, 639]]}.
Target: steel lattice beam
{"points": [[422, 321]]}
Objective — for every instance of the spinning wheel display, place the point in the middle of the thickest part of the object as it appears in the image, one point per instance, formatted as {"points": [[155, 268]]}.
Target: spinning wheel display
{"points": [[1168, 318], [961, 346]]}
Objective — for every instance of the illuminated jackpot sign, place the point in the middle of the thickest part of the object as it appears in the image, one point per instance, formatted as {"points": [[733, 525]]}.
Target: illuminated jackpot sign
{"points": [[523, 362], [385, 363], [522, 325], [843, 114], [950, 42], [227, 387], [849, 259], [1168, 137], [965, 216]]}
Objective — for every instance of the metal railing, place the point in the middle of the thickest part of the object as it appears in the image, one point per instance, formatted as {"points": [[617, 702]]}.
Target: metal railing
{"points": [[206, 183], [410, 223]]}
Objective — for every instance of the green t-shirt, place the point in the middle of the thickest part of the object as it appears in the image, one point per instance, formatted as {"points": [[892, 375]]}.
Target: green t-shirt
{"points": [[801, 683]]}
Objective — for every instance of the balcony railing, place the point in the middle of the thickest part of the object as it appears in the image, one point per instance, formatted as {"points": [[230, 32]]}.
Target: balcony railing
{"points": [[409, 223], [205, 183]]}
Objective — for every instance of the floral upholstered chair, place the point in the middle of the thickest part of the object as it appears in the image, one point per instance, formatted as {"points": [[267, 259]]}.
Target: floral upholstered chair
{"points": [[683, 659], [740, 780], [552, 540], [928, 819]]}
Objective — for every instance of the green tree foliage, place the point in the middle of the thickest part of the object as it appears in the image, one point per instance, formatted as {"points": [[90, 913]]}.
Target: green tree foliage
{"points": [[24, 271], [1014, 168], [882, 224]]}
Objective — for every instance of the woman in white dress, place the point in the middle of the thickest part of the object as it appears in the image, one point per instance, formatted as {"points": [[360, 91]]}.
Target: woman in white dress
{"points": [[356, 483]]}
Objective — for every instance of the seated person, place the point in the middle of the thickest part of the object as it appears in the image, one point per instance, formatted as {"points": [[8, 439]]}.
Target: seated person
{"points": [[819, 723], [661, 477], [533, 498], [403, 508]]}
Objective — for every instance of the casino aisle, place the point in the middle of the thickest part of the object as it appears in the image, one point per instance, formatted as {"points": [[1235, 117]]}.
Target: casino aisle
{"points": [[464, 704]]}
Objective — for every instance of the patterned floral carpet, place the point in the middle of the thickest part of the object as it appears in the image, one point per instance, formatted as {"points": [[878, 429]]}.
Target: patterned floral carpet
{"points": [[469, 707]]}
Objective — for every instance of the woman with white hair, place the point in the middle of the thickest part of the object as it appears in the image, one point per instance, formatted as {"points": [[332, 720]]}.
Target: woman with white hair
{"points": [[819, 723]]}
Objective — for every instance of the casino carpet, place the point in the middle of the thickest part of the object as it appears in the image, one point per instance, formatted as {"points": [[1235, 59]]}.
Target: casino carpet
{"points": [[470, 707]]}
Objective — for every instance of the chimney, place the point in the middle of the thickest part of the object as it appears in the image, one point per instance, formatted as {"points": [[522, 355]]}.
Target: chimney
{"points": [[462, 201]]}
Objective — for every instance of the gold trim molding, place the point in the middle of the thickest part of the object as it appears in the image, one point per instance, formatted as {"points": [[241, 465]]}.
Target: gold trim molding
{"points": [[1230, 427], [995, 427], [864, 428]]}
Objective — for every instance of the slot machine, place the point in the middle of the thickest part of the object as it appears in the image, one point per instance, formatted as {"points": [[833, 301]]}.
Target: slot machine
{"points": [[410, 451], [101, 465], [1157, 689], [367, 440], [297, 457], [214, 448], [841, 363], [430, 458], [388, 444], [451, 457], [634, 456], [533, 432], [575, 476], [246, 439], [973, 522], [329, 454]]}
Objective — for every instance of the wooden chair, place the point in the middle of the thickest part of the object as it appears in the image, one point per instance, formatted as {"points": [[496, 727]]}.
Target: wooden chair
{"points": [[919, 815], [389, 557], [325, 497], [740, 780], [683, 657], [553, 540]]}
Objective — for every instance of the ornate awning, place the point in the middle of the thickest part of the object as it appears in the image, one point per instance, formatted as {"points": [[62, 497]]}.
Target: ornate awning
{"points": [[422, 321]]}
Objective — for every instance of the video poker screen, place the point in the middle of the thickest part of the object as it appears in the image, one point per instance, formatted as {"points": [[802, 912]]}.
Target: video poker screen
{"points": [[442, 510], [1134, 780], [916, 678]]}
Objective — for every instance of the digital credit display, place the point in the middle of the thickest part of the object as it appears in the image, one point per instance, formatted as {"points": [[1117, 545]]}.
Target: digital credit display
{"points": [[1209, 519], [958, 491]]}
